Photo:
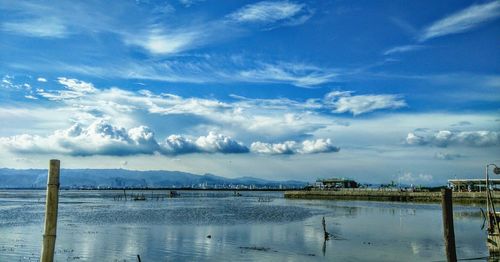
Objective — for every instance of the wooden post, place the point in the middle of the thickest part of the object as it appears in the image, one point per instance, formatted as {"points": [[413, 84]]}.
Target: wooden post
{"points": [[49, 236], [449, 231], [326, 234]]}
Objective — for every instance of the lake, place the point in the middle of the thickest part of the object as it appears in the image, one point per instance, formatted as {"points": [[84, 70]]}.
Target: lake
{"points": [[217, 225]]}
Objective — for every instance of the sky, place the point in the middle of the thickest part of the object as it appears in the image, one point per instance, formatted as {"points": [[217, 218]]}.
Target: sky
{"points": [[377, 91]]}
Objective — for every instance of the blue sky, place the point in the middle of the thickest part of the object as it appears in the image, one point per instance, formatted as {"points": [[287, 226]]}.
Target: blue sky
{"points": [[371, 90]]}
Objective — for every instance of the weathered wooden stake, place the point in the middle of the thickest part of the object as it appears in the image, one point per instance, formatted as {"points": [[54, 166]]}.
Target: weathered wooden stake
{"points": [[449, 231], [49, 237], [326, 234]]}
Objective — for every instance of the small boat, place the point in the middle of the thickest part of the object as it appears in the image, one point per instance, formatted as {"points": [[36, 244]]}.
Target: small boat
{"points": [[139, 198], [173, 193]]}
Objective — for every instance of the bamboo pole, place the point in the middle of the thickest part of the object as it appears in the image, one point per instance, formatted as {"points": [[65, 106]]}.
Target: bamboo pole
{"points": [[52, 200], [449, 231]]}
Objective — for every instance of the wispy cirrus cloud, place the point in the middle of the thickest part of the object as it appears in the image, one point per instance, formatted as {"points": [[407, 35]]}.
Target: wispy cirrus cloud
{"points": [[335, 101], [268, 12], [159, 40], [189, 3], [402, 49], [165, 43], [212, 69], [458, 22], [46, 27], [462, 21], [297, 74]]}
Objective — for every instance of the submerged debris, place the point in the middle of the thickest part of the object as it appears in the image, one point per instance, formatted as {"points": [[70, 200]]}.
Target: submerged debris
{"points": [[256, 248]]}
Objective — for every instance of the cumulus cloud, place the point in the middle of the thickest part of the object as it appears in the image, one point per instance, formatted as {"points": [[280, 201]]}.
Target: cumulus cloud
{"points": [[212, 143], [272, 12], [99, 138], [219, 143], [342, 102], [102, 138], [462, 21], [177, 144], [444, 138], [41, 79], [287, 147], [293, 147], [281, 118], [409, 177], [318, 146]]}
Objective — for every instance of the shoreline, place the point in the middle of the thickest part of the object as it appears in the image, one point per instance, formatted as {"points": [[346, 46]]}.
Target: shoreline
{"points": [[386, 195], [154, 189]]}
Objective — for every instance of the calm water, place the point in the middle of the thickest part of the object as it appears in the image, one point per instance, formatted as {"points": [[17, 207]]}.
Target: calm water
{"points": [[92, 226]]}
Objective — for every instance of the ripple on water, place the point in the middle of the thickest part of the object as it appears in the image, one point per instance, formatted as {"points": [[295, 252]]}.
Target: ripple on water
{"points": [[218, 213]]}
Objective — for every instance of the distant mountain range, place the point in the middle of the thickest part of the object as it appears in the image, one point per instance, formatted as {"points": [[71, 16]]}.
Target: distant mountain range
{"points": [[120, 178]]}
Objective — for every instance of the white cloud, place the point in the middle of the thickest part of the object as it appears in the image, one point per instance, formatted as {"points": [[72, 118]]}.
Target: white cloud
{"points": [[75, 89], [214, 143], [409, 177], [342, 102], [41, 79], [287, 147], [462, 21], [102, 138], [31, 97], [207, 69], [402, 49], [444, 138], [76, 85], [281, 119], [160, 42], [413, 139], [293, 147], [99, 138], [271, 12], [297, 74], [446, 156], [177, 144], [318, 146], [47, 27]]}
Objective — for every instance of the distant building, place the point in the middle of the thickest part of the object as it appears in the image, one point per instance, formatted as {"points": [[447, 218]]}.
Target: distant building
{"points": [[332, 183], [472, 185]]}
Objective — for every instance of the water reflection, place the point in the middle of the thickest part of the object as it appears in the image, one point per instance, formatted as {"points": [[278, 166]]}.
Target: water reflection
{"points": [[94, 227]]}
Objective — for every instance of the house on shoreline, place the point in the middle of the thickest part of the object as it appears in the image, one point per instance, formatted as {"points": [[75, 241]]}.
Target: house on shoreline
{"points": [[335, 183]]}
